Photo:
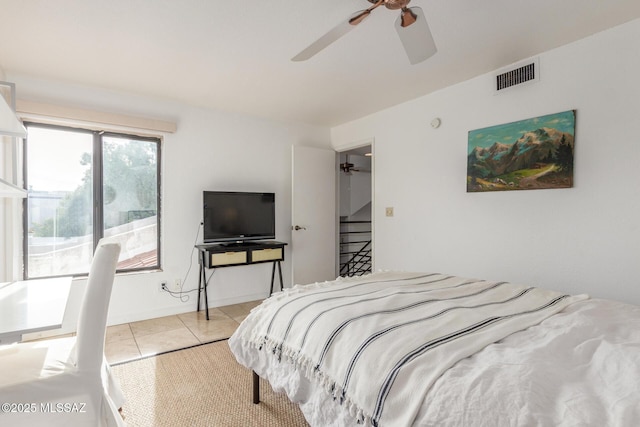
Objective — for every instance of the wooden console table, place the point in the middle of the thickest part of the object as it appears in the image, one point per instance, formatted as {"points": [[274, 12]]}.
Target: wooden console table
{"points": [[238, 254]]}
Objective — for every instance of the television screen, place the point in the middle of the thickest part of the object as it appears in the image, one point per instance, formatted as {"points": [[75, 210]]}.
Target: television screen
{"points": [[238, 216]]}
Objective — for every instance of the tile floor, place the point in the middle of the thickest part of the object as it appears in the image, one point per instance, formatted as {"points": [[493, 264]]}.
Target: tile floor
{"points": [[147, 337]]}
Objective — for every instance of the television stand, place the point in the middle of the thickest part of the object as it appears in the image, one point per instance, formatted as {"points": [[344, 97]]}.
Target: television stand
{"points": [[235, 254], [232, 244]]}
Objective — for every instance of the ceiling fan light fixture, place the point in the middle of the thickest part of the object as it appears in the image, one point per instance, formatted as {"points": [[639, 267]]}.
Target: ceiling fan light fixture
{"points": [[416, 38], [407, 17]]}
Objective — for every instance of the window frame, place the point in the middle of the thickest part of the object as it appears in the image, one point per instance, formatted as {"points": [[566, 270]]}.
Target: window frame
{"points": [[98, 192]]}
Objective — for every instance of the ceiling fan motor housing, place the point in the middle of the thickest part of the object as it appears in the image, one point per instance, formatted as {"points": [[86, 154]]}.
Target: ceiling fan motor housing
{"points": [[393, 4]]}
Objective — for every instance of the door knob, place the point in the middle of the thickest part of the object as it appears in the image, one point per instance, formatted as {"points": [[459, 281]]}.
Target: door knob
{"points": [[297, 227]]}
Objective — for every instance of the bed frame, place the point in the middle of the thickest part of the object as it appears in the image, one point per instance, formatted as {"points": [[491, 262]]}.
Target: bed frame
{"points": [[256, 387]]}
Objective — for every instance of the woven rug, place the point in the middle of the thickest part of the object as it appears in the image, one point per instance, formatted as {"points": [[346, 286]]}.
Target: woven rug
{"points": [[199, 386]]}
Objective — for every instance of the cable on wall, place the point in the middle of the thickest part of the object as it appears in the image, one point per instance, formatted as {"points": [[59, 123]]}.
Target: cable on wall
{"points": [[181, 295]]}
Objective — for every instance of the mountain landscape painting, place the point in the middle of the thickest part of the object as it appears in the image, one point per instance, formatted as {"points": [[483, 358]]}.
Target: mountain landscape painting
{"points": [[528, 154]]}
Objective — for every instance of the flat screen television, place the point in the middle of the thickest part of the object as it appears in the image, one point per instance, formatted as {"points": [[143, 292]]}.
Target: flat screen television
{"points": [[238, 216]]}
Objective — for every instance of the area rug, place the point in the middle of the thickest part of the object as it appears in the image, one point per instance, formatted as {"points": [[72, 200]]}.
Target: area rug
{"points": [[199, 386]]}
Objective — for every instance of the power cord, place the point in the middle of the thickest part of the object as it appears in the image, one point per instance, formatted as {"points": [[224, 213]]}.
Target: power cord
{"points": [[181, 294]]}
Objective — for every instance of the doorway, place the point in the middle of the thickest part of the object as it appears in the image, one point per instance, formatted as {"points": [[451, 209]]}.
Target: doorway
{"points": [[355, 235]]}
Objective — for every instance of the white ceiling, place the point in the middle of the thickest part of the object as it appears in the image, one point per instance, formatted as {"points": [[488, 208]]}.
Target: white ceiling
{"points": [[235, 55]]}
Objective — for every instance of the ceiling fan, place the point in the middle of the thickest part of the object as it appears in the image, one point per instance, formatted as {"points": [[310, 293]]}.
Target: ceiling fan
{"points": [[348, 167], [411, 26]]}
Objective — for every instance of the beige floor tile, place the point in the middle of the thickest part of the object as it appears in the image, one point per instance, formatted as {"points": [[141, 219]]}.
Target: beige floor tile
{"points": [[235, 310], [159, 342], [213, 329], [199, 316], [119, 333], [132, 340], [245, 308], [239, 319], [250, 305], [154, 326], [121, 350]]}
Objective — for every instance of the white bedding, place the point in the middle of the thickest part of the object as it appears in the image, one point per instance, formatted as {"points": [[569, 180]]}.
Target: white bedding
{"points": [[578, 367]]}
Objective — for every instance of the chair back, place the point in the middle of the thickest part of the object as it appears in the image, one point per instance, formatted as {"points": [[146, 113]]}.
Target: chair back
{"points": [[92, 322]]}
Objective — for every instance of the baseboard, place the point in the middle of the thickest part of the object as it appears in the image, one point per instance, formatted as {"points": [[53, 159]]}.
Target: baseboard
{"points": [[117, 319]]}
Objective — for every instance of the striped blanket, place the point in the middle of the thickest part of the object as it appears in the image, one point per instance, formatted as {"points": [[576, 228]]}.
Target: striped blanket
{"points": [[377, 343]]}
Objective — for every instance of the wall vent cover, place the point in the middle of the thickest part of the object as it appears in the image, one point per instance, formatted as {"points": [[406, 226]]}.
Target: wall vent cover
{"points": [[516, 75]]}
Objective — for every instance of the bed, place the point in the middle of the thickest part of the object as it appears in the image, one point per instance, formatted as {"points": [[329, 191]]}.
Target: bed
{"points": [[428, 349]]}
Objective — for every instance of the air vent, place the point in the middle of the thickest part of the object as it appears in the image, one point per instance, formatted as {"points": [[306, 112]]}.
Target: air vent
{"points": [[516, 75]]}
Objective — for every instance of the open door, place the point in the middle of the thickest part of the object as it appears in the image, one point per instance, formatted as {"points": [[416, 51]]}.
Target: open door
{"points": [[355, 182], [313, 200]]}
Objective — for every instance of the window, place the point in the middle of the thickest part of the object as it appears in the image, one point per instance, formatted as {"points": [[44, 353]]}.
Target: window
{"points": [[84, 185]]}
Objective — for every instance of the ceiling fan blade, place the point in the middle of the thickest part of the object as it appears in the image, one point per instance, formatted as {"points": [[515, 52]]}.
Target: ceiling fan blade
{"points": [[415, 36], [334, 34]]}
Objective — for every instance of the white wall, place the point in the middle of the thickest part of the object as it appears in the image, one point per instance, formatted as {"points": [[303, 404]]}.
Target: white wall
{"points": [[580, 240], [211, 150]]}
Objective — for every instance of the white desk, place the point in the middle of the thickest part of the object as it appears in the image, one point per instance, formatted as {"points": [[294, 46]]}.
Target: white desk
{"points": [[32, 306]]}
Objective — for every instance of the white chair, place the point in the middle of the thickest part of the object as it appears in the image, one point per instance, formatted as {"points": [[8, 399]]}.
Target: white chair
{"points": [[66, 381]]}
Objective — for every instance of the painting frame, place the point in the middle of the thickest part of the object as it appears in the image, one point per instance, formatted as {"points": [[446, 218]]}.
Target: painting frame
{"points": [[529, 154]]}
